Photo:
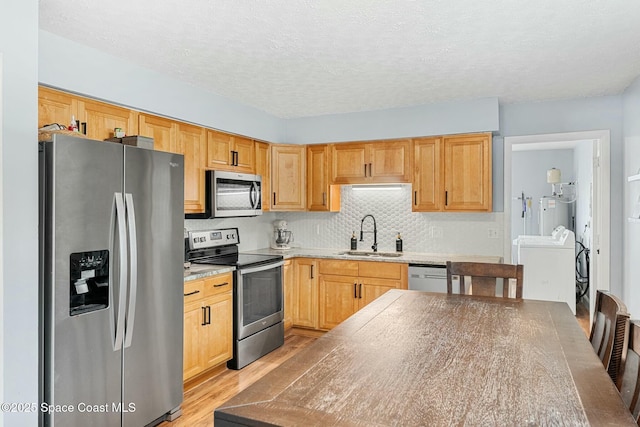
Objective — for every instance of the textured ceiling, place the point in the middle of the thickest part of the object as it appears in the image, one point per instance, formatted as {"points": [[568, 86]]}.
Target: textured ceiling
{"points": [[314, 57]]}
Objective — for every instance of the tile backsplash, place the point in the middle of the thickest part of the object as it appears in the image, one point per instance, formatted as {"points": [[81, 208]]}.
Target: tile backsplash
{"points": [[454, 233]]}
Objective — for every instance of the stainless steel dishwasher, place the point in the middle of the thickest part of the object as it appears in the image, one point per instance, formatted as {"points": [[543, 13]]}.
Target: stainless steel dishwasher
{"points": [[428, 277]]}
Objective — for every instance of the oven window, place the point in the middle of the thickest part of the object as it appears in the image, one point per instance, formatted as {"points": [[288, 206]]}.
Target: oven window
{"points": [[261, 295]]}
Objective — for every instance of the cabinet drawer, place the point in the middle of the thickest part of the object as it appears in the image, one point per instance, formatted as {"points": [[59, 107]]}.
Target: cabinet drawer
{"points": [[338, 267], [193, 291], [382, 270], [218, 284]]}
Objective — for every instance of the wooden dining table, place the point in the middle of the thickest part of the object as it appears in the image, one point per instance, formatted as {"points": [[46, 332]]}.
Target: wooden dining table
{"points": [[416, 358]]}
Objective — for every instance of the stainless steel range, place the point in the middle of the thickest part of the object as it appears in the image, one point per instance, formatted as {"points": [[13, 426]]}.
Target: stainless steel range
{"points": [[257, 292]]}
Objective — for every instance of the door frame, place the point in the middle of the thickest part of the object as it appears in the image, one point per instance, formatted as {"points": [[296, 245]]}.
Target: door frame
{"points": [[600, 193]]}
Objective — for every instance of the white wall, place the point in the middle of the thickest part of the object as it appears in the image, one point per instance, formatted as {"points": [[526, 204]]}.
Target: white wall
{"points": [[19, 325], [76, 68], [529, 175], [572, 116], [438, 232], [583, 172], [631, 131]]}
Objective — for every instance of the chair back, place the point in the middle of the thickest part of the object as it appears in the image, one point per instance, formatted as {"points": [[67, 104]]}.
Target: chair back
{"points": [[609, 331], [629, 377], [485, 278]]}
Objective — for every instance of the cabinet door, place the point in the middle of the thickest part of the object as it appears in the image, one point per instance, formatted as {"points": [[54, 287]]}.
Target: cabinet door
{"points": [[338, 299], [101, 119], [427, 172], [245, 155], [305, 293], [163, 131], [192, 144], [467, 172], [217, 337], [390, 161], [263, 168], [56, 107], [370, 289], [288, 177], [219, 147], [320, 195], [288, 281], [193, 320], [349, 164]]}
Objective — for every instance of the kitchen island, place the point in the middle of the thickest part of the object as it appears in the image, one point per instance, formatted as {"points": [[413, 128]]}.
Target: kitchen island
{"points": [[416, 358]]}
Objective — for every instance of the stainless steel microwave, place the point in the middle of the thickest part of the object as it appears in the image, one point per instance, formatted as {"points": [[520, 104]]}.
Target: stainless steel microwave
{"points": [[231, 194]]}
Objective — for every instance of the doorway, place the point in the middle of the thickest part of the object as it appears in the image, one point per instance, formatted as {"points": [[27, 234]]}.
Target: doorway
{"points": [[598, 193]]}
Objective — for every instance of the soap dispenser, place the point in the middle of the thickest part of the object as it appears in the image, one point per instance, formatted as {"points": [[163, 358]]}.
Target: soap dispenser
{"points": [[354, 241], [398, 242]]}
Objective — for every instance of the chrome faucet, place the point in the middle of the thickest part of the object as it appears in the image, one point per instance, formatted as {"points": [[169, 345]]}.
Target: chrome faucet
{"points": [[375, 233]]}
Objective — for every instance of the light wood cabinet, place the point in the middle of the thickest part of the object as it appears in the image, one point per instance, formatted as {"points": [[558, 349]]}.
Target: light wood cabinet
{"points": [[97, 120], [321, 196], [467, 172], [230, 152], [427, 174], [347, 286], [208, 323], [288, 284], [371, 162], [192, 144], [452, 173], [263, 168], [305, 293], [288, 175], [185, 139], [55, 107]]}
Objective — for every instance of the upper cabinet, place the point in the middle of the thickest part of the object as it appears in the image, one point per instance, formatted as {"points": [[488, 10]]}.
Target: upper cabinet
{"points": [[320, 195], [427, 171], [453, 173], [371, 162], [97, 120], [185, 139], [263, 168], [288, 175], [230, 152]]}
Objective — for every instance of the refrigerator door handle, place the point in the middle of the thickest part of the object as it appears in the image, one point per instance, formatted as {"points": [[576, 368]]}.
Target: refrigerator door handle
{"points": [[122, 240], [133, 262]]}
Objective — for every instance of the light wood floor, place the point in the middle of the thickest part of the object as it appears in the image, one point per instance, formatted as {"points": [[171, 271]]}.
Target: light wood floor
{"points": [[201, 400]]}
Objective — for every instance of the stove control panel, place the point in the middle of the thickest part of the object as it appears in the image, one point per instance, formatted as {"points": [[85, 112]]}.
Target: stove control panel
{"points": [[212, 238]]}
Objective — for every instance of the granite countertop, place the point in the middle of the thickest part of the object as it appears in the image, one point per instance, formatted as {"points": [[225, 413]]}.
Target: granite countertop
{"points": [[198, 271], [406, 257]]}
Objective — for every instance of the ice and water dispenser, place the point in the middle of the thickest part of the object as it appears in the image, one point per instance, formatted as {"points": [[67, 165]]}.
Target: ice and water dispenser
{"points": [[89, 287]]}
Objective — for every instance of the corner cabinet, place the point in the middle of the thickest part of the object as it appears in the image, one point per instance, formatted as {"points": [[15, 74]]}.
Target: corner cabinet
{"points": [[452, 173], [208, 323], [288, 177], [371, 162], [321, 196]]}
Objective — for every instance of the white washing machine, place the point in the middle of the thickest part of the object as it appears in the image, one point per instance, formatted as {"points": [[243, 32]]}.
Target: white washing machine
{"points": [[549, 266]]}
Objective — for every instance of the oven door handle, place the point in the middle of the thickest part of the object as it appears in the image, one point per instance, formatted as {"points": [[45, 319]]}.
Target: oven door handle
{"points": [[261, 268]]}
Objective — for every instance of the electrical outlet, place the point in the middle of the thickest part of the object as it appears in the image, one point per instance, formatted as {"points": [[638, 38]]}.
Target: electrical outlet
{"points": [[318, 229], [493, 233], [437, 232]]}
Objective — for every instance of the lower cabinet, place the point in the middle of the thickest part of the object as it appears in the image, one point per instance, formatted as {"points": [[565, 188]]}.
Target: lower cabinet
{"points": [[288, 293], [208, 323], [322, 293], [305, 293], [347, 286]]}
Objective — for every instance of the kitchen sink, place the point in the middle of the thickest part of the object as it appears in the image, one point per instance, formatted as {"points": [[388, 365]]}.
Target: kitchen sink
{"points": [[371, 254]]}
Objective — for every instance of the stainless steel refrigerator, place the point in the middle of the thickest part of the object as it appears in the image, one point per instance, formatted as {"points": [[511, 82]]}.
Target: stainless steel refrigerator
{"points": [[111, 283]]}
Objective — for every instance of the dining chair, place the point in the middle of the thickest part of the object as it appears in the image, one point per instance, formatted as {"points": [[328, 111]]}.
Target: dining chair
{"points": [[609, 331], [485, 277], [629, 378]]}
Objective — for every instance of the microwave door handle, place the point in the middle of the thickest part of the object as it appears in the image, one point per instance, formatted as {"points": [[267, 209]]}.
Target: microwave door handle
{"points": [[256, 196], [251, 196]]}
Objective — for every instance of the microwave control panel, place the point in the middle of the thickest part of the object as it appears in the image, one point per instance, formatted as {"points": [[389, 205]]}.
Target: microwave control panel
{"points": [[212, 238]]}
